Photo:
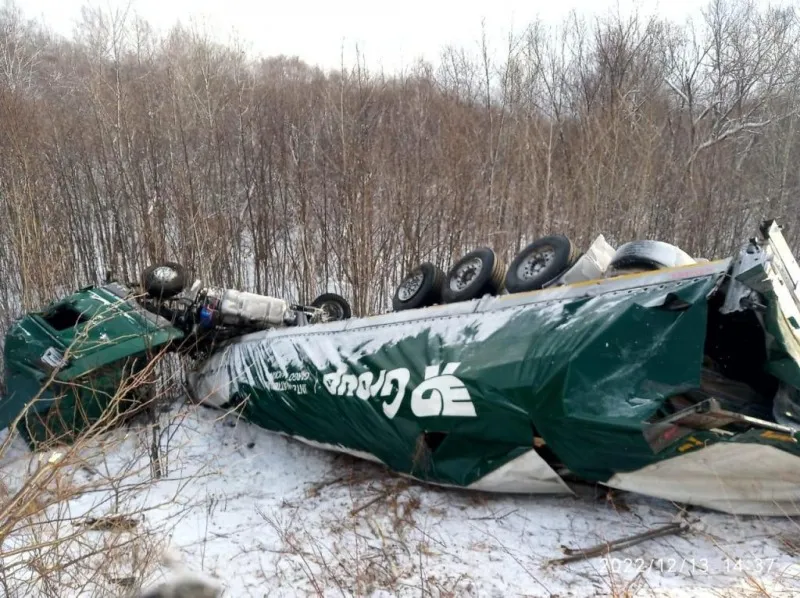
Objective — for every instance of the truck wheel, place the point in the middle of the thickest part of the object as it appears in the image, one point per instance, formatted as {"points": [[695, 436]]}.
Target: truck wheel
{"points": [[640, 256], [540, 262], [335, 306], [477, 273], [164, 280], [420, 288]]}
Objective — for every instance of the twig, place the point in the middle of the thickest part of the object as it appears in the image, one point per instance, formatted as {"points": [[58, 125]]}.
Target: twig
{"points": [[380, 496], [315, 488], [494, 517], [587, 553]]}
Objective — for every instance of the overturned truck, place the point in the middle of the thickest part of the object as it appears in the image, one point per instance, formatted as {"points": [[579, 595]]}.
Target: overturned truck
{"points": [[640, 368]]}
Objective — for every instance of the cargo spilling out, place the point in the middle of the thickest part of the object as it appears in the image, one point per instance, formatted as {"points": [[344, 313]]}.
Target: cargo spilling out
{"points": [[639, 367]]}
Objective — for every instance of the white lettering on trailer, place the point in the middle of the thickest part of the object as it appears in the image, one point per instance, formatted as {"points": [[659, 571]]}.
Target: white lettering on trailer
{"points": [[441, 393], [446, 394]]}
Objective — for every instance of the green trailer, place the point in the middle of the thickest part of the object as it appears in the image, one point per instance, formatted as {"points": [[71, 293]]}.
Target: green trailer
{"points": [[674, 381]]}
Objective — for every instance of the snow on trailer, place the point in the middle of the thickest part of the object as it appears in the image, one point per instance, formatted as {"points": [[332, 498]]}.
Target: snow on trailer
{"points": [[640, 368]]}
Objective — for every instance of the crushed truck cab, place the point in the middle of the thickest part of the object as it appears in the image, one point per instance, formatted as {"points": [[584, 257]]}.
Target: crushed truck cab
{"points": [[75, 355]]}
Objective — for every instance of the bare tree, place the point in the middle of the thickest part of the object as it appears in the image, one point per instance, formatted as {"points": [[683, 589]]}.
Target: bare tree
{"points": [[122, 147]]}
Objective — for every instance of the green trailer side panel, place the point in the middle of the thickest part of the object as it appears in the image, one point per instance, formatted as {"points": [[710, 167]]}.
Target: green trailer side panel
{"points": [[619, 380], [583, 373]]}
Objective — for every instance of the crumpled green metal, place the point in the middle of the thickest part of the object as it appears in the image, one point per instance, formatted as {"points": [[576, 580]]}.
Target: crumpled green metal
{"points": [[581, 373]]}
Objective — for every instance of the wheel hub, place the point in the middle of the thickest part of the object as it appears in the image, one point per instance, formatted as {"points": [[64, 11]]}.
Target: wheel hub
{"points": [[410, 286], [535, 263], [331, 312], [465, 274]]}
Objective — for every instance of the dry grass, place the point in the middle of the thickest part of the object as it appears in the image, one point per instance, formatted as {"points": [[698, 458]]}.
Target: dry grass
{"points": [[366, 548]]}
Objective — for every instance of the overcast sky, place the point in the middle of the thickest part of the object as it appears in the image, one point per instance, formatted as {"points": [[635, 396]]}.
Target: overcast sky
{"points": [[389, 34]]}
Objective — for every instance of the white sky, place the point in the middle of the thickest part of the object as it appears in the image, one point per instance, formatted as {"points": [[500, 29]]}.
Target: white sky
{"points": [[389, 34]]}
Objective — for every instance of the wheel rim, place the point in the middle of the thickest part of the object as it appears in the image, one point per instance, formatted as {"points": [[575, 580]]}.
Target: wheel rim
{"points": [[165, 274], [331, 311], [465, 274], [533, 265], [410, 286]]}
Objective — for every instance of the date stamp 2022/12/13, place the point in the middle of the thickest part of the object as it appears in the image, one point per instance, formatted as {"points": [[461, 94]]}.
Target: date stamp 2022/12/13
{"points": [[691, 566]]}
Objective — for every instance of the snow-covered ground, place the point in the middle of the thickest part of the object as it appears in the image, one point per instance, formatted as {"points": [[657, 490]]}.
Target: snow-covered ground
{"points": [[270, 516]]}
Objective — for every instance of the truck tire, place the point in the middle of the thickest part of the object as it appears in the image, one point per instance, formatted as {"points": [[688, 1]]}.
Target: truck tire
{"points": [[164, 280], [540, 262], [478, 273], [336, 306], [421, 287], [642, 256]]}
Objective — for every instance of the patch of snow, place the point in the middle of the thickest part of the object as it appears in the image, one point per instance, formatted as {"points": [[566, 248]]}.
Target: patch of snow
{"points": [[270, 516]]}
